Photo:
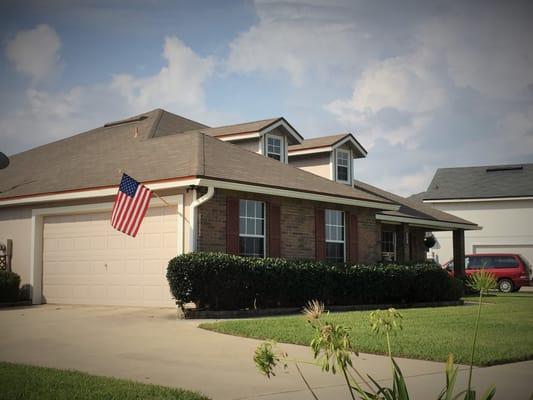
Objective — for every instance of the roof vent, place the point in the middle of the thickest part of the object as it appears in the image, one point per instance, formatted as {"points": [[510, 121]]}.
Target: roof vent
{"points": [[509, 168], [125, 121]]}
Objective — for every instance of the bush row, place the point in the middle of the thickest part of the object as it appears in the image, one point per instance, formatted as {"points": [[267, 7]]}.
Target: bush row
{"points": [[9, 286], [219, 281]]}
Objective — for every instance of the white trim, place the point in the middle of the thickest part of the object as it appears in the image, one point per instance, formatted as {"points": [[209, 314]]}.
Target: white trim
{"points": [[193, 217], [238, 136], [302, 152], [475, 200], [206, 182], [348, 167], [37, 225], [355, 144], [282, 144], [427, 223], [93, 193], [284, 124], [343, 231], [323, 149], [264, 219], [297, 194]]}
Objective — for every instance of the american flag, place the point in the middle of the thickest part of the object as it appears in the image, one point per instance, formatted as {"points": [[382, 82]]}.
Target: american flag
{"points": [[130, 206]]}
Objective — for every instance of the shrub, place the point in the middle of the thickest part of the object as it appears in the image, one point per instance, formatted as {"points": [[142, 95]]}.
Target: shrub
{"points": [[9, 286], [221, 281]]}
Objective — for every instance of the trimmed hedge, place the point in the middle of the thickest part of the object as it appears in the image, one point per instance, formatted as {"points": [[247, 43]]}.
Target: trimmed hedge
{"points": [[219, 281], [9, 286]]}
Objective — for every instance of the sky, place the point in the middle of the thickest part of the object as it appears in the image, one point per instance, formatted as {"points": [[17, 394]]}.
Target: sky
{"points": [[421, 84]]}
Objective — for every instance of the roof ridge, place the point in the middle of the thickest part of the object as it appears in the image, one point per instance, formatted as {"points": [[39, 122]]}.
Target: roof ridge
{"points": [[153, 127], [245, 123]]}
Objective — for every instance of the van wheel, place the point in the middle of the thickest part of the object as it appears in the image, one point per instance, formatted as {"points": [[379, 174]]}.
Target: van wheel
{"points": [[505, 286]]}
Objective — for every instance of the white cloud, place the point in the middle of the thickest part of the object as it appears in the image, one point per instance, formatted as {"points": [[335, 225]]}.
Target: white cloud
{"points": [[50, 115], [405, 85], [300, 38], [35, 52], [493, 55], [178, 85]]}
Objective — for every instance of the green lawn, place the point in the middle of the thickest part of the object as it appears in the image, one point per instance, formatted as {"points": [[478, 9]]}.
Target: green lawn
{"points": [[26, 382], [429, 333]]}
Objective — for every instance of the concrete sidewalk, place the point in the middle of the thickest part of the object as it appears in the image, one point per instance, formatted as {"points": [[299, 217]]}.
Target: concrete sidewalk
{"points": [[152, 346]]}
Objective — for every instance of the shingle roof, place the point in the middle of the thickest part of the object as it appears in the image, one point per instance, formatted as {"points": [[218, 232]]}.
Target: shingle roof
{"points": [[254, 126], [326, 141], [322, 141], [93, 159], [411, 208], [480, 182]]}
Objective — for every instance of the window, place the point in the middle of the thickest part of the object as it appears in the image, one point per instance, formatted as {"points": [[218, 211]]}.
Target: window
{"points": [[275, 148], [343, 165], [388, 245], [335, 236], [251, 228], [505, 262]]}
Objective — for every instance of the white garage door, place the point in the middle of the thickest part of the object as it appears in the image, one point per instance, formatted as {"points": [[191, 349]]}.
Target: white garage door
{"points": [[525, 250], [86, 261]]}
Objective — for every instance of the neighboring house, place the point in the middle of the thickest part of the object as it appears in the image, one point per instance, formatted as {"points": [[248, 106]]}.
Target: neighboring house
{"points": [[255, 189], [498, 197]]}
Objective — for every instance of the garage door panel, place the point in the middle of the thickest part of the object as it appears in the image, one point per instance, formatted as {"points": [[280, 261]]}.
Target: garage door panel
{"points": [[86, 261]]}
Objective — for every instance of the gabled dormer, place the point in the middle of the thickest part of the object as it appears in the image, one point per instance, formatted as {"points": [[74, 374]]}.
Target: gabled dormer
{"points": [[270, 137], [331, 157]]}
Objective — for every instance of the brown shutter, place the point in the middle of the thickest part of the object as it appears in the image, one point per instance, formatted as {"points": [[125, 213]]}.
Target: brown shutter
{"points": [[274, 230], [232, 225], [353, 238], [320, 234]]}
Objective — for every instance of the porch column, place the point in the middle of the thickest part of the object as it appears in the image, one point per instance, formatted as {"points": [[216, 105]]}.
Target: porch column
{"points": [[459, 253], [402, 244]]}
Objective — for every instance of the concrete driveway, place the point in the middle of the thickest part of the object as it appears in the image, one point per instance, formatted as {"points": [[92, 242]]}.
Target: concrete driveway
{"points": [[152, 346]]}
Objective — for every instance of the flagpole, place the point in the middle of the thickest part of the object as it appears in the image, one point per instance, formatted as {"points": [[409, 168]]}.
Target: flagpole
{"points": [[121, 171]]}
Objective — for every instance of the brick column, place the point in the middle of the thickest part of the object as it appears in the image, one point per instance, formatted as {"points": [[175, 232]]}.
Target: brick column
{"points": [[459, 253]]}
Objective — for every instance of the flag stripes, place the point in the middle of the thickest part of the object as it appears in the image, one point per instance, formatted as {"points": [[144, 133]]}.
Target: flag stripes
{"points": [[130, 206]]}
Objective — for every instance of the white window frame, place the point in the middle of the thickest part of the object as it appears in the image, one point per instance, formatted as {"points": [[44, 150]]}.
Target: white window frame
{"points": [[394, 244], [283, 147], [343, 231], [348, 167], [263, 236]]}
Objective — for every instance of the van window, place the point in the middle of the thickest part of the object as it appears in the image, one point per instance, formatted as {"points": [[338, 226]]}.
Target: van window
{"points": [[473, 262], [505, 262]]}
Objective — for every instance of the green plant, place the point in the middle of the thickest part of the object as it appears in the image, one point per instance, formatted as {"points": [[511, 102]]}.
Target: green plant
{"points": [[333, 351], [9, 286], [227, 282]]}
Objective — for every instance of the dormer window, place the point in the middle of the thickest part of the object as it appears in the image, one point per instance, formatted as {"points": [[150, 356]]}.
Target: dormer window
{"points": [[342, 166], [275, 148]]}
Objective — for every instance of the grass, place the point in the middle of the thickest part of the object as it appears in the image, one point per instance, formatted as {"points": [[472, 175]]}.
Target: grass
{"points": [[428, 333], [26, 382]]}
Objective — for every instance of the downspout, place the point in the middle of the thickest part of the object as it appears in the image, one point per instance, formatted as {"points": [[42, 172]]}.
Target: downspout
{"points": [[193, 223]]}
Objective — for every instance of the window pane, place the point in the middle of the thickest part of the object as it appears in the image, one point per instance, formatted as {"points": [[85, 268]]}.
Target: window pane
{"points": [[251, 247], [250, 227], [250, 208], [242, 207], [342, 173], [335, 252], [242, 225], [274, 156]]}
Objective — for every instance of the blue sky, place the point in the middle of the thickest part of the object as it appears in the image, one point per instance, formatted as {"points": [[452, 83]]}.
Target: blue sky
{"points": [[422, 85]]}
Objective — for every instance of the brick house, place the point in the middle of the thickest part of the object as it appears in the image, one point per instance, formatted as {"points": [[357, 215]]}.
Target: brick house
{"points": [[255, 189]]}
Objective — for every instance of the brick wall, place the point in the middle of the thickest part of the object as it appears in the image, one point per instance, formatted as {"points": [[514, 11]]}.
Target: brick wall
{"points": [[297, 225]]}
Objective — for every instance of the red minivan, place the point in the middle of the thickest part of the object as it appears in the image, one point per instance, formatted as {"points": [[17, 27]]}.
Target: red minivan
{"points": [[511, 270]]}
